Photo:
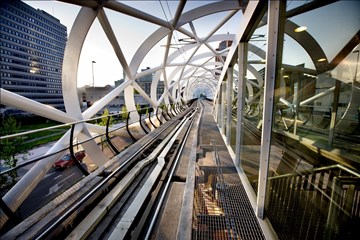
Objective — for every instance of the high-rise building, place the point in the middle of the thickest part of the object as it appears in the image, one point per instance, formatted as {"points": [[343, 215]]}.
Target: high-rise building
{"points": [[32, 45]]}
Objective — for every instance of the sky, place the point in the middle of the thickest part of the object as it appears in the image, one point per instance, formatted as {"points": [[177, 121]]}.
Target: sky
{"points": [[107, 68], [336, 29]]}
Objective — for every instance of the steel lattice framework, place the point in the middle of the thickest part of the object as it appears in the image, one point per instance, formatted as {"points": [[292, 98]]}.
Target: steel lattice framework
{"points": [[211, 70], [198, 70]]}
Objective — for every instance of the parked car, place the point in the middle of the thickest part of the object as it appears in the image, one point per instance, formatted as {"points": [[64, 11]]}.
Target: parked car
{"points": [[67, 161]]}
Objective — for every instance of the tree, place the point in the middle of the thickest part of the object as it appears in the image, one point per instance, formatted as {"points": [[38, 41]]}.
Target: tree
{"points": [[104, 118], [124, 112], [10, 147], [138, 108], [103, 122]]}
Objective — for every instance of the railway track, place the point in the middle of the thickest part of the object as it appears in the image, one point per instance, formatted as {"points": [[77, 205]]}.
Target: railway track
{"points": [[124, 199]]}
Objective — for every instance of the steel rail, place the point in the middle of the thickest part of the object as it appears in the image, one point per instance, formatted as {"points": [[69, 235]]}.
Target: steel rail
{"points": [[164, 192], [82, 201], [104, 206], [121, 230]]}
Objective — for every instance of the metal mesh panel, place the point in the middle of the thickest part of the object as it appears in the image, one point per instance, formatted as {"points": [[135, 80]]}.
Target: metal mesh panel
{"points": [[221, 207]]}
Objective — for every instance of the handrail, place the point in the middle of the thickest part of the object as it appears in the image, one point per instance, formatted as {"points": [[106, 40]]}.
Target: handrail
{"points": [[127, 128], [79, 143], [174, 109], [157, 110], [168, 110], [141, 125], [150, 119], [315, 170], [108, 138], [163, 114], [28, 162], [57, 126], [72, 154]]}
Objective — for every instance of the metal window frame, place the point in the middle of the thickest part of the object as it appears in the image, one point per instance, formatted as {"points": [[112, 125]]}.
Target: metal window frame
{"points": [[276, 11], [229, 93]]}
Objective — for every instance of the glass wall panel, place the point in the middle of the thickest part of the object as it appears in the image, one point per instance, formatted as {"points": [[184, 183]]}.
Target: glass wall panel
{"points": [[252, 114], [234, 109], [313, 184]]}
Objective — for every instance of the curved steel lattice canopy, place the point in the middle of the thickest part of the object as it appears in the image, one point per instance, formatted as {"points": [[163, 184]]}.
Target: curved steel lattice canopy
{"points": [[187, 45], [189, 62], [187, 59]]}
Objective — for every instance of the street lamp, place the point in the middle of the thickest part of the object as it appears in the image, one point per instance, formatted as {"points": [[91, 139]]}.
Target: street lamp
{"points": [[356, 66], [92, 65]]}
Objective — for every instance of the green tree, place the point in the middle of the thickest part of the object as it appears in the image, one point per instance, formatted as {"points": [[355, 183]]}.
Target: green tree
{"points": [[103, 122], [162, 106], [138, 108], [104, 118], [10, 147], [124, 112]]}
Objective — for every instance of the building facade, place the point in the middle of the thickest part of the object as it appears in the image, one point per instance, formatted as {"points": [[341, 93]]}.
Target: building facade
{"points": [[32, 48], [145, 83], [89, 95]]}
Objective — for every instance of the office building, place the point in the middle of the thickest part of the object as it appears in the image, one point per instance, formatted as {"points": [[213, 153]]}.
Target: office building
{"points": [[32, 49]]}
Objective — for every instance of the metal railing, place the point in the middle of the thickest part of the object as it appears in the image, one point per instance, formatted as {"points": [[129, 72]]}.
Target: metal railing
{"points": [[105, 138], [321, 203]]}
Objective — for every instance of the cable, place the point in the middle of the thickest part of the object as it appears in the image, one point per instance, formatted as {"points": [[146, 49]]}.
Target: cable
{"points": [[176, 41]]}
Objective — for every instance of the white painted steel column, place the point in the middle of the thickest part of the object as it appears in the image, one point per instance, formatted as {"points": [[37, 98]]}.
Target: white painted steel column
{"points": [[270, 78], [229, 93], [223, 98], [242, 63], [216, 109]]}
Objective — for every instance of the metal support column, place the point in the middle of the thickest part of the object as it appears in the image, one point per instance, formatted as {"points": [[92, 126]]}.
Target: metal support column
{"points": [[242, 64], [222, 107], [334, 112], [127, 127], [108, 137], [157, 116], [297, 106], [229, 91], [216, 109], [276, 11], [149, 113]]}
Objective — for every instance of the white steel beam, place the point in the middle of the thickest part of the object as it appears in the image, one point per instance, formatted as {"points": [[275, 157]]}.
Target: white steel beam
{"points": [[229, 94], [105, 24], [242, 64], [273, 57], [17, 101]]}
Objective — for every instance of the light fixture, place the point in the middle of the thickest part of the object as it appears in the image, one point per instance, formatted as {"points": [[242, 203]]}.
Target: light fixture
{"points": [[300, 29], [321, 60]]}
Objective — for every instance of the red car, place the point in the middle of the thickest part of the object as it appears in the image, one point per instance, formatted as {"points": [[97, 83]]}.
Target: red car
{"points": [[66, 161]]}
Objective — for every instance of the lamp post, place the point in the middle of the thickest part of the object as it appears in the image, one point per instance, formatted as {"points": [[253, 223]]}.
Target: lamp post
{"points": [[92, 65], [357, 62]]}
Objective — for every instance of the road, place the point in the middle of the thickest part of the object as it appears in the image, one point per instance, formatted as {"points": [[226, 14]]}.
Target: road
{"points": [[54, 183]]}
